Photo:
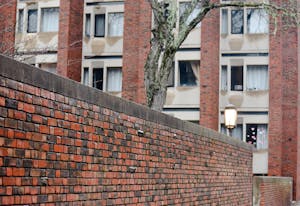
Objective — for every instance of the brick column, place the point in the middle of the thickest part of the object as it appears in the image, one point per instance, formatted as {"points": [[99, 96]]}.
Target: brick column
{"points": [[137, 34], [70, 39], [209, 71], [284, 136], [7, 26]]}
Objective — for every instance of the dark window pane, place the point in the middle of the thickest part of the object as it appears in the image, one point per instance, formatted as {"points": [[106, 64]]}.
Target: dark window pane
{"points": [[87, 24], [237, 78], [100, 25], [98, 78], [237, 21], [20, 20], [187, 72], [32, 21], [257, 134]]}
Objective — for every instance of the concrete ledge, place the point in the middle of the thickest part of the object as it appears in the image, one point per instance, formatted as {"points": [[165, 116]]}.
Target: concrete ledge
{"points": [[28, 74]]}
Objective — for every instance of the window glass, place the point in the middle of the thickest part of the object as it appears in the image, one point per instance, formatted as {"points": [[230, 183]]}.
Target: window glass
{"points": [[237, 132], [114, 79], [237, 21], [189, 73], [224, 78], [257, 21], [171, 76], [257, 77], [115, 24], [32, 21], [99, 25], [224, 24], [237, 78], [20, 20], [257, 134], [182, 7], [98, 78], [87, 24], [86, 76], [50, 19], [50, 67]]}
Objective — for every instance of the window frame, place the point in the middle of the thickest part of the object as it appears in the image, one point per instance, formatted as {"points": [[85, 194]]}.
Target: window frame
{"points": [[95, 27], [41, 18], [37, 21]]}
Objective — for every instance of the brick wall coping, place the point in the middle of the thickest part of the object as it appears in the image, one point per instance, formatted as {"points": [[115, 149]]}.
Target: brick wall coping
{"points": [[28, 74], [272, 179]]}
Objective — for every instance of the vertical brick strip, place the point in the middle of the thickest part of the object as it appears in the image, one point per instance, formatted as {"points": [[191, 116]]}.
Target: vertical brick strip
{"points": [[7, 26], [209, 71], [70, 39], [137, 34]]}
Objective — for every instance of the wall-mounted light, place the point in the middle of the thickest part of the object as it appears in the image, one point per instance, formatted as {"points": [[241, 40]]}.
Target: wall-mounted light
{"points": [[230, 114]]}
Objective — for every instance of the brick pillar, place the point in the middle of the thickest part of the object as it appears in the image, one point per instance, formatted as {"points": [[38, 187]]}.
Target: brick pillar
{"points": [[137, 34], [7, 26], [284, 136], [209, 71], [70, 39]]}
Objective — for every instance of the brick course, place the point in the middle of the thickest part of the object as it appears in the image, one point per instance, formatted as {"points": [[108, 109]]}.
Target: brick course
{"points": [[104, 150]]}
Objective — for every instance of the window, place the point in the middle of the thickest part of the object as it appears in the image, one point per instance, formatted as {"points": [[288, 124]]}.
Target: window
{"points": [[257, 21], [99, 25], [85, 76], [237, 78], [87, 25], [257, 134], [115, 24], [257, 77], [32, 21], [171, 76], [50, 67], [20, 20], [224, 29], [224, 78], [50, 19], [237, 21], [183, 6], [98, 78], [188, 73], [114, 79], [237, 132]]}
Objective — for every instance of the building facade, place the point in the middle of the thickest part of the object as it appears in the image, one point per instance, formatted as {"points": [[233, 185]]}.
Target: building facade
{"points": [[232, 57]]}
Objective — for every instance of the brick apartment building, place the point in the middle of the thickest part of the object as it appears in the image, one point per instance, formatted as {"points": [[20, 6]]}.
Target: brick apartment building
{"points": [[104, 44]]}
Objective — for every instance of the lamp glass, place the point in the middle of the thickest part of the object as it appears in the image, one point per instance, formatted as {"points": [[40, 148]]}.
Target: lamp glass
{"points": [[230, 114]]}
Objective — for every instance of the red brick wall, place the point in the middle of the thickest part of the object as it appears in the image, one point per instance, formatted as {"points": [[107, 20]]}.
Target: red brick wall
{"points": [[137, 34], [275, 191], [70, 39], [62, 142], [209, 71], [283, 120], [7, 26]]}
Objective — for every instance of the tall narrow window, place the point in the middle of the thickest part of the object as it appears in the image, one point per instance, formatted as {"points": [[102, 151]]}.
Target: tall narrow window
{"points": [[99, 25], [98, 78], [183, 6], [257, 77], [87, 25], [115, 24], [257, 21], [189, 73], [32, 21], [171, 76], [237, 21], [50, 19], [224, 24], [257, 134], [237, 78], [85, 76], [114, 79], [224, 78], [20, 20]]}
